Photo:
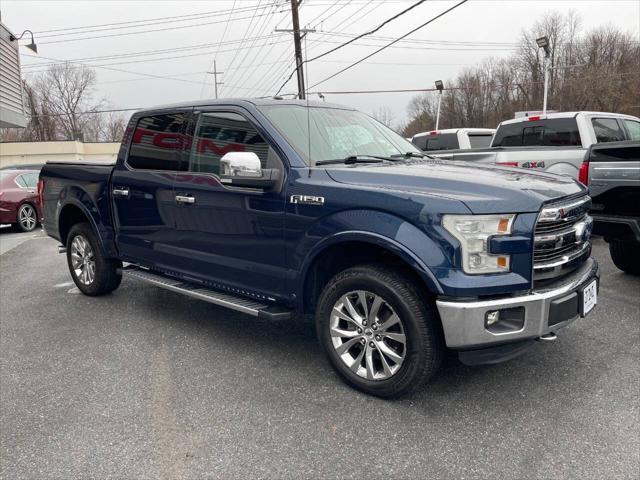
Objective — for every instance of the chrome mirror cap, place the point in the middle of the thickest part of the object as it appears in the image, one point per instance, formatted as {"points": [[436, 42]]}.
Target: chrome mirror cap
{"points": [[240, 165]]}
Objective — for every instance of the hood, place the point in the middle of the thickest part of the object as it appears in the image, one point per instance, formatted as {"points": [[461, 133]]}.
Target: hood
{"points": [[482, 188]]}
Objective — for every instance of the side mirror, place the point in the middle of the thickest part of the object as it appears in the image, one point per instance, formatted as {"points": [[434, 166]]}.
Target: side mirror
{"points": [[243, 169]]}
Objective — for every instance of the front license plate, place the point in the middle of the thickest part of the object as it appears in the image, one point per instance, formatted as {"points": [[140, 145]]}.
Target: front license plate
{"points": [[589, 297]]}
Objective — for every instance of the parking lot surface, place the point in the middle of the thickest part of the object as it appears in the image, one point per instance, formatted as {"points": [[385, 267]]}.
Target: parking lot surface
{"points": [[145, 383]]}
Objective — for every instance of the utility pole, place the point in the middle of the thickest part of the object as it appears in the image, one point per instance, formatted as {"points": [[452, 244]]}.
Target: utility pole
{"points": [[297, 44], [215, 74]]}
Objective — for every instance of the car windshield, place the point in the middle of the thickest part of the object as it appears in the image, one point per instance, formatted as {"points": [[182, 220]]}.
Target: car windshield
{"points": [[335, 133]]}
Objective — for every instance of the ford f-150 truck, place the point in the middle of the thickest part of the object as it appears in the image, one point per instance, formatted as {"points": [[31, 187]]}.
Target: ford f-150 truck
{"points": [[555, 142], [274, 208], [612, 172]]}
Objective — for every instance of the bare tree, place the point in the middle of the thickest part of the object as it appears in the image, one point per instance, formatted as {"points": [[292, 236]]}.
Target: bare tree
{"points": [[384, 115], [67, 90], [596, 70]]}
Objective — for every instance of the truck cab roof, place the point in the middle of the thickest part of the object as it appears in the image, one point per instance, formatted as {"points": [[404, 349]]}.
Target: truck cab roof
{"points": [[256, 102], [553, 115], [485, 131]]}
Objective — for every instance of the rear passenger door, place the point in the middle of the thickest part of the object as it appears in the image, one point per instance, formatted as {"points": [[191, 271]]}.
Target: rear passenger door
{"points": [[230, 237], [144, 203]]}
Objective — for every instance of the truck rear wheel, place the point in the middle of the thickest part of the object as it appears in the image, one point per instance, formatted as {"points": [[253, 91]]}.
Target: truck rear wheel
{"points": [[377, 332], [92, 272], [625, 255]]}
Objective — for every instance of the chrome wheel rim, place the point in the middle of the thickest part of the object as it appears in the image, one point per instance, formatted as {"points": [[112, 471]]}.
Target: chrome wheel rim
{"points": [[27, 217], [82, 261], [368, 335]]}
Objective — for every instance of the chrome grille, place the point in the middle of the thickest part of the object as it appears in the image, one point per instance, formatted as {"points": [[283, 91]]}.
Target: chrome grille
{"points": [[561, 240]]}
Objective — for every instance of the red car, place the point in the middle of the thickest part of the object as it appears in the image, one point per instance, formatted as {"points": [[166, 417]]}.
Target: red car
{"points": [[18, 199]]}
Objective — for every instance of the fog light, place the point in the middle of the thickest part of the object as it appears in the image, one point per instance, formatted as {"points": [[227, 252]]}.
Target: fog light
{"points": [[492, 317], [508, 320]]}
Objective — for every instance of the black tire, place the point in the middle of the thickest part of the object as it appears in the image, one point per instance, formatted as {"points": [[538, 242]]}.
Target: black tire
{"points": [[27, 211], [625, 255], [107, 271], [424, 348]]}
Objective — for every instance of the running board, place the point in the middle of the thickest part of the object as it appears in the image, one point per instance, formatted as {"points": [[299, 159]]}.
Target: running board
{"points": [[233, 302]]}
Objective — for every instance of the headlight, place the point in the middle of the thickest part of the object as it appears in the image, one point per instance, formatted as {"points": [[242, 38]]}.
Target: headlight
{"points": [[473, 232]]}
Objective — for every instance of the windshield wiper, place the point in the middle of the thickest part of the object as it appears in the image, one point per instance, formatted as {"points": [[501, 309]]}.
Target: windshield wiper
{"points": [[357, 159], [409, 155]]}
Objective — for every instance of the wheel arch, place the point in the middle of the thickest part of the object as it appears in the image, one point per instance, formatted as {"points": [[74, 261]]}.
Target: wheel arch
{"points": [[348, 249], [72, 213]]}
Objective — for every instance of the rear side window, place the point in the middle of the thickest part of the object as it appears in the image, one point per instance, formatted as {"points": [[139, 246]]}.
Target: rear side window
{"points": [[607, 130], [218, 133], [157, 142], [480, 141], [633, 129], [21, 181], [30, 179], [444, 141], [548, 132]]}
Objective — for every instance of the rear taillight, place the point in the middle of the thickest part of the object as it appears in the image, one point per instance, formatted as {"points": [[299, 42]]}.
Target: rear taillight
{"points": [[40, 193], [583, 174]]}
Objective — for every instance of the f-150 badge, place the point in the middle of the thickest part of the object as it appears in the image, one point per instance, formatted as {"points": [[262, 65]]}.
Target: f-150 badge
{"points": [[306, 200]]}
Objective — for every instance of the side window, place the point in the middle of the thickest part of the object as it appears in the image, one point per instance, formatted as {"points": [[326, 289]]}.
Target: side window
{"points": [[157, 142], [218, 133], [633, 129], [20, 180], [30, 179], [607, 130]]}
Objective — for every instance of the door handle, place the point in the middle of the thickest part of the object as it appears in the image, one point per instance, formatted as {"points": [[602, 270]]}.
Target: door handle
{"points": [[120, 192], [185, 199]]}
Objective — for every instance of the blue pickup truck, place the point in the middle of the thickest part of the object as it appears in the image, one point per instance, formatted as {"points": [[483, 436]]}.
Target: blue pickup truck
{"points": [[277, 208]]}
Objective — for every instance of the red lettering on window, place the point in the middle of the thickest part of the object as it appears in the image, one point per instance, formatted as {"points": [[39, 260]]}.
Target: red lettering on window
{"points": [[204, 145]]}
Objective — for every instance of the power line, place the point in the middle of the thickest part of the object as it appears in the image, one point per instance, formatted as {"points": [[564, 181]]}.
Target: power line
{"points": [[353, 92], [389, 44], [169, 19], [250, 27], [254, 57], [353, 40], [143, 31], [145, 53], [224, 34], [370, 32]]}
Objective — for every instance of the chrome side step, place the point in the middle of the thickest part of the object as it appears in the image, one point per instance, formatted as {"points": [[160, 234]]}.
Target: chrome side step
{"points": [[233, 302]]}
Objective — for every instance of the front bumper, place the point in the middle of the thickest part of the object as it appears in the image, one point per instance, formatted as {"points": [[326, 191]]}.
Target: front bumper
{"points": [[545, 310]]}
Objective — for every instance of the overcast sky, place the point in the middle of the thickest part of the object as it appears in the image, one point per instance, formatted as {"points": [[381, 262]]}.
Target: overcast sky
{"points": [[256, 60]]}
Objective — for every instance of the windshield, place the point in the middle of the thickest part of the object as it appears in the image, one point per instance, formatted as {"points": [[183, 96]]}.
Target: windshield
{"points": [[335, 133]]}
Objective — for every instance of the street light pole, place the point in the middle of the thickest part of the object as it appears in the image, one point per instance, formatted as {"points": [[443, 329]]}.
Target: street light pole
{"points": [[440, 88], [543, 42]]}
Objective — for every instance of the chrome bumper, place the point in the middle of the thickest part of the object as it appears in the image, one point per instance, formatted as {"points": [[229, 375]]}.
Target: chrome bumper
{"points": [[463, 322]]}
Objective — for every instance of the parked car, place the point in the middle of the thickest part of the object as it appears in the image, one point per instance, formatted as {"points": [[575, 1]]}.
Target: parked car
{"points": [[453, 139], [276, 207], [18, 199], [556, 142], [612, 172]]}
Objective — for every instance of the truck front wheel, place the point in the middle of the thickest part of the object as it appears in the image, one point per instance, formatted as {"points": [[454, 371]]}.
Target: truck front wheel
{"points": [[625, 255], [378, 333], [92, 272]]}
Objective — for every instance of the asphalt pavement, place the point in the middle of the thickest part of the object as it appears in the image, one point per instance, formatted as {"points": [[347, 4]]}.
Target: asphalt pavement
{"points": [[145, 383]]}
